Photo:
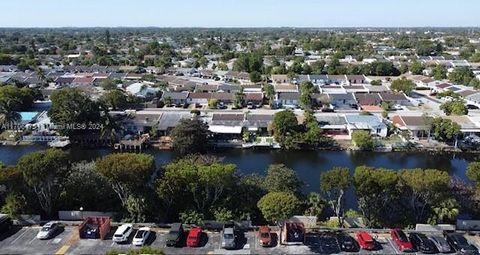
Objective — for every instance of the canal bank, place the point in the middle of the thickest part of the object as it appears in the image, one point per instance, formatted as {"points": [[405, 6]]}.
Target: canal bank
{"points": [[308, 164]]}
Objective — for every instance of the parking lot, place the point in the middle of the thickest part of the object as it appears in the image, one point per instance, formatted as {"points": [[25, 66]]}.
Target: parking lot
{"points": [[24, 241]]}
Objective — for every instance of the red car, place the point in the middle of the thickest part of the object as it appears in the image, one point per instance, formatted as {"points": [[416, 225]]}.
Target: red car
{"points": [[366, 241], [194, 237], [264, 236], [401, 240]]}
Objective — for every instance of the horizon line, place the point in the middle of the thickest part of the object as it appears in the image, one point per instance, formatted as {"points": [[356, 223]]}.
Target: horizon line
{"points": [[232, 27]]}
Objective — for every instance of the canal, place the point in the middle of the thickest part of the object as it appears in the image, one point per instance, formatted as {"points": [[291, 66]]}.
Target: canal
{"points": [[308, 164]]}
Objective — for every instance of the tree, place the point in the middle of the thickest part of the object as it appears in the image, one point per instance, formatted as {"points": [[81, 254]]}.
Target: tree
{"points": [[334, 184], [212, 103], [474, 83], [473, 172], [115, 99], [427, 187], [376, 191], [444, 130], [72, 106], [203, 184], [284, 127], [444, 212], [269, 91], [306, 90], [282, 179], [192, 217], [454, 107], [461, 75], [363, 140], [190, 137], [404, 85], [127, 173], [439, 72], [417, 68], [85, 187], [108, 84], [15, 204], [255, 76], [278, 206], [315, 205], [44, 171]]}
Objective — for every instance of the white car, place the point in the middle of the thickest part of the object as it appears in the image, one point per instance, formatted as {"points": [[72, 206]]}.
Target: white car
{"points": [[141, 236], [48, 230], [122, 233]]}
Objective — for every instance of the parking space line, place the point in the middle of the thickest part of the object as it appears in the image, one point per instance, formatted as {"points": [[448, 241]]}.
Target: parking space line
{"points": [[393, 246], [33, 239], [63, 250], [19, 236]]}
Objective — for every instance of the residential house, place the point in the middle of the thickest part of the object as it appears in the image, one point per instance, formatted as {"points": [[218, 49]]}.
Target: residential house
{"points": [[418, 127], [254, 98], [356, 79], [288, 99], [467, 126], [177, 98], [395, 98], [258, 122], [227, 127], [199, 98], [473, 99], [371, 123], [334, 125], [224, 97], [280, 79], [342, 101]]}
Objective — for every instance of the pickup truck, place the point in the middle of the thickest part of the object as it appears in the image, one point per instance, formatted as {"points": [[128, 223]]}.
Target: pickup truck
{"points": [[228, 236]]}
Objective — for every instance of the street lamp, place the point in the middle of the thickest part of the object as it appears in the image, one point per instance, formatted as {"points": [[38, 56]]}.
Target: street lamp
{"points": [[81, 212]]}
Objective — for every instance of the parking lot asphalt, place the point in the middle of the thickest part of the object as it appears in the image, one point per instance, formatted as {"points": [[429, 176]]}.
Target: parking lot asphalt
{"points": [[24, 241]]}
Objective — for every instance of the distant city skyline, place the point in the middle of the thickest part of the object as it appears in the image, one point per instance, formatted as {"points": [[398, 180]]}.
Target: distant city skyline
{"points": [[240, 13]]}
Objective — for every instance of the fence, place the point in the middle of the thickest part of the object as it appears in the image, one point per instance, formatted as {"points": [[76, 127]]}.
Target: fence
{"points": [[81, 215]]}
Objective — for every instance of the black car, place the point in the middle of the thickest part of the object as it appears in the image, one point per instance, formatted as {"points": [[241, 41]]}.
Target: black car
{"points": [[5, 224], [460, 244], [175, 234], [347, 243], [421, 243]]}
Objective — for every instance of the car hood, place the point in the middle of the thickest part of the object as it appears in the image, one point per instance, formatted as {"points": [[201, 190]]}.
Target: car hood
{"points": [[172, 237], [229, 242], [42, 234]]}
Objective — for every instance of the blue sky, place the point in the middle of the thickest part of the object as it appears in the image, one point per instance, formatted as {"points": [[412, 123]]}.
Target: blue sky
{"points": [[239, 13]]}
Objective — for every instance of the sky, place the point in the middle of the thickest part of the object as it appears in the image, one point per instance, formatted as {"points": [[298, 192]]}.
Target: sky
{"points": [[240, 13]]}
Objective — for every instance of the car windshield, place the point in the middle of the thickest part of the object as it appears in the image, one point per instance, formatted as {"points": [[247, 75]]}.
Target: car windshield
{"points": [[402, 237], [228, 236], [264, 235], [46, 229], [173, 233], [140, 234]]}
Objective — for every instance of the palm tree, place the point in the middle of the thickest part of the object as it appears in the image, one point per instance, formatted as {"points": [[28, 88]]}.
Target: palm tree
{"points": [[445, 211], [7, 113], [111, 126]]}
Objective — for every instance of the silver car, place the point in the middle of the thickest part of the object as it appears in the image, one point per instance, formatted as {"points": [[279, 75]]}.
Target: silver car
{"points": [[441, 244]]}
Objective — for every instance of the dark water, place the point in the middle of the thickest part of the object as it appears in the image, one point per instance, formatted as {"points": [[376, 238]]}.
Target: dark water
{"points": [[308, 164]]}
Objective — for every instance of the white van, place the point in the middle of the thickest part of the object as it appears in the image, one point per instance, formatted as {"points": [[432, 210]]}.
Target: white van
{"points": [[122, 233]]}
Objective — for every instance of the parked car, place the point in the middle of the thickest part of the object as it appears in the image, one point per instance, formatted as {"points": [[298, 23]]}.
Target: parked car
{"points": [[366, 241], [441, 244], [123, 233], [48, 230], [421, 243], [5, 223], [401, 240], [460, 244], [141, 236], [264, 236], [194, 237], [175, 234], [347, 242], [250, 105], [228, 236]]}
